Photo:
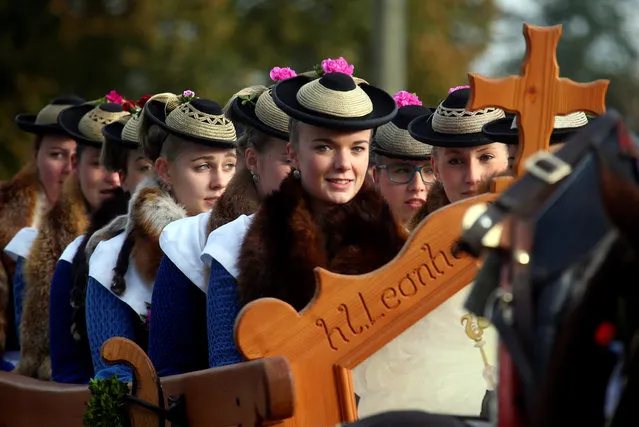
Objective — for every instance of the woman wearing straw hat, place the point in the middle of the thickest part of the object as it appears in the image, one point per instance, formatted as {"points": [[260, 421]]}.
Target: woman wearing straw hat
{"points": [[25, 199], [82, 196], [178, 340], [434, 365], [403, 172], [463, 156], [505, 130], [121, 152], [193, 146], [326, 213]]}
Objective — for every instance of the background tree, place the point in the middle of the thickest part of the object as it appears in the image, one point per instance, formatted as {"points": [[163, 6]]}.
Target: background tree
{"points": [[214, 47], [597, 42]]}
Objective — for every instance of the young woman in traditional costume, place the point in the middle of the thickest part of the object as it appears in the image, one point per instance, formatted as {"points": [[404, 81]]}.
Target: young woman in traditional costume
{"points": [[505, 130], [193, 146], [25, 200], [70, 354], [403, 172], [327, 213], [177, 338], [82, 196], [434, 366]]}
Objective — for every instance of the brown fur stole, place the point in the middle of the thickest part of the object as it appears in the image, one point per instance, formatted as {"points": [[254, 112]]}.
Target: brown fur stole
{"points": [[239, 198], [64, 222], [286, 241], [18, 200], [150, 210]]}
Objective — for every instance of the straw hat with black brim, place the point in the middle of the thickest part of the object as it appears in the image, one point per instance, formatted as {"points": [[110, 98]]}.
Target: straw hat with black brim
{"points": [[393, 140], [505, 130], [46, 121], [452, 126], [84, 122], [334, 101], [200, 121], [120, 137], [263, 115]]}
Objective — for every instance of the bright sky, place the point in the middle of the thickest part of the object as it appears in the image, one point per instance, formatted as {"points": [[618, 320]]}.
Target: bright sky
{"points": [[507, 37]]}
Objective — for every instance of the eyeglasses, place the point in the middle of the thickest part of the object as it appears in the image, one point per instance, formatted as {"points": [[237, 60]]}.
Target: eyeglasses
{"points": [[402, 173]]}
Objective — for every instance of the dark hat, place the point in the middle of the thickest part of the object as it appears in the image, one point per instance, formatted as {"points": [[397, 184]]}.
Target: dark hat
{"points": [[334, 101], [258, 110], [201, 121], [46, 121], [120, 137], [84, 122], [393, 140], [451, 125], [505, 130]]}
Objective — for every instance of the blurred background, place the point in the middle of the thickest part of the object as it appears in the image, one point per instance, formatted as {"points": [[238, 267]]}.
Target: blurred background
{"points": [[216, 47]]}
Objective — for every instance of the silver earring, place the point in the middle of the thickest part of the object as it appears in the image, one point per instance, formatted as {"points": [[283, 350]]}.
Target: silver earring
{"points": [[296, 174], [255, 176]]}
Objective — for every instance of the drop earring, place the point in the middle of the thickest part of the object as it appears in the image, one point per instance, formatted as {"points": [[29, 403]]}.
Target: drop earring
{"points": [[296, 174], [255, 177]]}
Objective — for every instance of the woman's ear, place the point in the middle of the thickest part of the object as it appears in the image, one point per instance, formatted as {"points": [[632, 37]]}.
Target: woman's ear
{"points": [[251, 159], [433, 164], [292, 155], [162, 168]]}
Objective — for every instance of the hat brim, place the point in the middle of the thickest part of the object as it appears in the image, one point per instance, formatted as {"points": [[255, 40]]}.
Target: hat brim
{"points": [[285, 97], [500, 130], [69, 120], [246, 114], [382, 152], [421, 129], [155, 111], [27, 123], [113, 133]]}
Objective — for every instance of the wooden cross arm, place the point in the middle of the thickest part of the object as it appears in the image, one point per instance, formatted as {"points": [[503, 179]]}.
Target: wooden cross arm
{"points": [[589, 97], [502, 93]]}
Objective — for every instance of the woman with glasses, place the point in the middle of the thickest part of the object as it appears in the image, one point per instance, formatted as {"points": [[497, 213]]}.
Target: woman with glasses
{"points": [[403, 172]]}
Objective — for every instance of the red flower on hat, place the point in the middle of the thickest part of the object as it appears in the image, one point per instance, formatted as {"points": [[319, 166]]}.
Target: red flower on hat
{"points": [[114, 97], [143, 100], [129, 106]]}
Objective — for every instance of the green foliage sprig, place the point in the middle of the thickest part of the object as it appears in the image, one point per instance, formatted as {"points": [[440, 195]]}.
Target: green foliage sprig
{"points": [[250, 99], [106, 406]]}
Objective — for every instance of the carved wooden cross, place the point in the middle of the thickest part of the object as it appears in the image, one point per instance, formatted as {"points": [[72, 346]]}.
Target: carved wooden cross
{"points": [[538, 95]]}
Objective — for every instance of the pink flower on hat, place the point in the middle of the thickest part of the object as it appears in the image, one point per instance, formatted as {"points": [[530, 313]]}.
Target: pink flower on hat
{"points": [[278, 73], [114, 97], [337, 66], [453, 89], [403, 98], [188, 94]]}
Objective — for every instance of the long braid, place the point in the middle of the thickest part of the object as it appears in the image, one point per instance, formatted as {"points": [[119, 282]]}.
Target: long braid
{"points": [[118, 285], [109, 209]]}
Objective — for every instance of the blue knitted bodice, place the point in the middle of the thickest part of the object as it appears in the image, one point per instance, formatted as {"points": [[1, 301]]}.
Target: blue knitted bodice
{"points": [[70, 359], [177, 338], [18, 294], [107, 316], [222, 307]]}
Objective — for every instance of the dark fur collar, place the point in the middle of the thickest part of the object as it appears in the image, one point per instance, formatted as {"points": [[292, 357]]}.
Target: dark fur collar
{"points": [[436, 199], [150, 210], [64, 222], [286, 241], [239, 198]]}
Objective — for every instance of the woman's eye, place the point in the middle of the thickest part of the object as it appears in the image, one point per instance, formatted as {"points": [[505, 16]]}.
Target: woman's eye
{"points": [[486, 157], [359, 149], [56, 155], [145, 168], [322, 148], [229, 166], [202, 167], [454, 162]]}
